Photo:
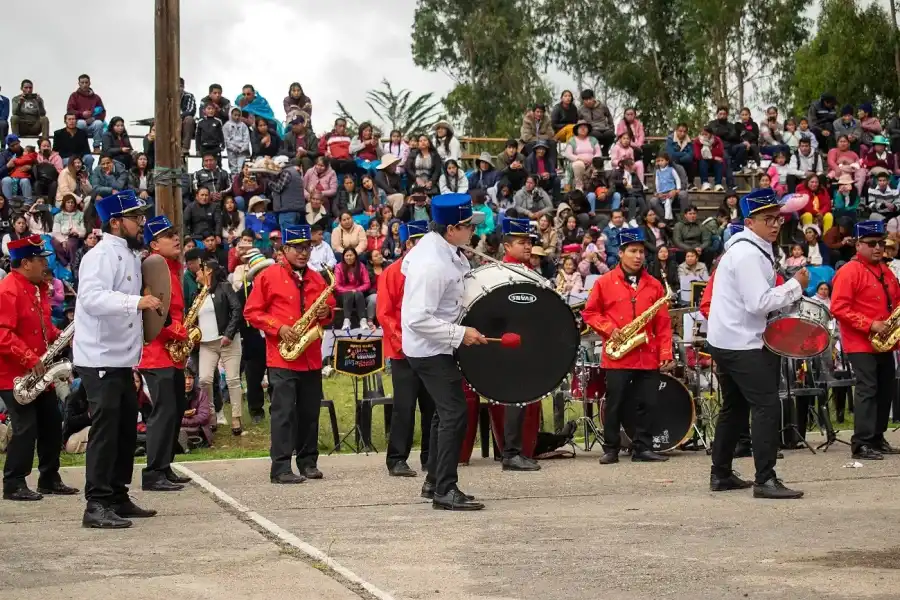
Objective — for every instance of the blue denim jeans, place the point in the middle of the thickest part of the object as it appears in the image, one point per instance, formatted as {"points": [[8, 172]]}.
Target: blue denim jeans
{"points": [[286, 219], [615, 201], [13, 186], [95, 130]]}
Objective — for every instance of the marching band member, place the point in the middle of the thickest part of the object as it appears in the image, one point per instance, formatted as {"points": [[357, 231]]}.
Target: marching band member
{"points": [[744, 293], [282, 294], [432, 303], [407, 385], [109, 337], [517, 245], [617, 299], [164, 377], [26, 331], [865, 294]]}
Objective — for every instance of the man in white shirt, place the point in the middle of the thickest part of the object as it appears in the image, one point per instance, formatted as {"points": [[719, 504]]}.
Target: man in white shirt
{"points": [[321, 256], [744, 293], [432, 304], [107, 346], [803, 164]]}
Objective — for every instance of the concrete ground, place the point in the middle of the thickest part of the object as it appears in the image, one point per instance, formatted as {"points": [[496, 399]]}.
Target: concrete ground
{"points": [[574, 530]]}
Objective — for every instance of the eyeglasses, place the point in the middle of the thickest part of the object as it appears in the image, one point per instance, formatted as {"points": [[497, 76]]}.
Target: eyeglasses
{"points": [[875, 243], [773, 221]]}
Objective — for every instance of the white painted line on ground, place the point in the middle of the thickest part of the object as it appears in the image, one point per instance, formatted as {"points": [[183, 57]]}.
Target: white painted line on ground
{"points": [[282, 534]]}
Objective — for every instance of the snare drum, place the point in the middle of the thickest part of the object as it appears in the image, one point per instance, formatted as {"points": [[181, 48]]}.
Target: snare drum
{"points": [[799, 331], [588, 382], [500, 299]]}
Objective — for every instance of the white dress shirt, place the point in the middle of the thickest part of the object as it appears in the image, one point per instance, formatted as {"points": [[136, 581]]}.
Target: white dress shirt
{"points": [[109, 331], [322, 256], [432, 297], [744, 293]]}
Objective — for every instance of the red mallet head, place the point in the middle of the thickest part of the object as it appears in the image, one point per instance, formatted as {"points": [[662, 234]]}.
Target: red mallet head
{"points": [[511, 340]]}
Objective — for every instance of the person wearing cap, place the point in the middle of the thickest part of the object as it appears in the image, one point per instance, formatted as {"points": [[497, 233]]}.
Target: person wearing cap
{"points": [[164, 377], [388, 179], [615, 300], [745, 291], [864, 296], [408, 387], [486, 176], [295, 385], [107, 345], [432, 301], [26, 330], [300, 143]]}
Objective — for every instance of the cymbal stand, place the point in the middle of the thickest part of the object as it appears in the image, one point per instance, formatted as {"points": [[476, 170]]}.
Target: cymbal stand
{"points": [[821, 414], [586, 420], [788, 399], [699, 440]]}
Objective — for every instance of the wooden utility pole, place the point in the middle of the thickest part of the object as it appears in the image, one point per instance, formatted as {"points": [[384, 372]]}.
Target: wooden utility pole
{"points": [[167, 114]]}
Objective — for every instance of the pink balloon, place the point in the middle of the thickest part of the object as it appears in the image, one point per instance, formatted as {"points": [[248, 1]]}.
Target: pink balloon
{"points": [[792, 203]]}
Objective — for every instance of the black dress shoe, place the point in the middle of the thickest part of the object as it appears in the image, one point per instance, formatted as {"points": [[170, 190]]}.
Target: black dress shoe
{"points": [[97, 516], [401, 469], [57, 488], [610, 458], [257, 419], [732, 482], [288, 478], [773, 489], [867, 453], [175, 478], [22, 494], [883, 447], [455, 500], [161, 485], [130, 510], [428, 491], [520, 463], [312, 473], [648, 456]]}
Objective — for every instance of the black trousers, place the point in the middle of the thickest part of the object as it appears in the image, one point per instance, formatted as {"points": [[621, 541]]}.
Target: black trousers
{"points": [[112, 401], [443, 381], [408, 388], [749, 380], [296, 399], [253, 353], [353, 303], [513, 420], [169, 403], [874, 391], [39, 422], [639, 386]]}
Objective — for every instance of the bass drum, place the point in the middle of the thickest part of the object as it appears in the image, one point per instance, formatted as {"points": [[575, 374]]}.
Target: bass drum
{"points": [[509, 299], [670, 420]]}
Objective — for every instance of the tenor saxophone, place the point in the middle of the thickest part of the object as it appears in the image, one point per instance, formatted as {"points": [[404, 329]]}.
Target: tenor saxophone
{"points": [[632, 335], [28, 387], [307, 326], [890, 335], [179, 351]]}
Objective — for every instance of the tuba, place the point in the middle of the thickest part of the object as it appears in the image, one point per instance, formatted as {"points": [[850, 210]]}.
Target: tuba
{"points": [[632, 335], [307, 326], [887, 339], [27, 388], [179, 351]]}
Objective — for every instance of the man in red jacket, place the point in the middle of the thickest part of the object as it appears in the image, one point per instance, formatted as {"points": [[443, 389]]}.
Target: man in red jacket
{"points": [[617, 299], [25, 332], [164, 377], [865, 294], [89, 109], [407, 385], [281, 294]]}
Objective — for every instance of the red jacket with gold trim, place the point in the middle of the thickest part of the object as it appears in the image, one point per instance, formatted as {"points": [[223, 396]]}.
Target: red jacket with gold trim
{"points": [[21, 332], [387, 309], [275, 301], [613, 304], [858, 298]]}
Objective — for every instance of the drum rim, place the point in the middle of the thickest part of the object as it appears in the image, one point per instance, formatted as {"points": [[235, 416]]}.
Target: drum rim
{"points": [[484, 292], [799, 318]]}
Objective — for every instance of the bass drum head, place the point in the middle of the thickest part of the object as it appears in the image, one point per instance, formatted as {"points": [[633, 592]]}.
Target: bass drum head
{"points": [[669, 420], [549, 343]]}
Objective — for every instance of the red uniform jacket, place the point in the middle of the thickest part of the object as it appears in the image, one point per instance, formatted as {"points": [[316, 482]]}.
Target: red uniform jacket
{"points": [[509, 259], [858, 299], [275, 301], [706, 299], [21, 334], [613, 304], [387, 308], [155, 355]]}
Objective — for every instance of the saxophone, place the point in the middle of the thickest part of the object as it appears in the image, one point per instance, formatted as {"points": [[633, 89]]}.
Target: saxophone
{"points": [[27, 388], [887, 339], [307, 326], [179, 351], [631, 336]]}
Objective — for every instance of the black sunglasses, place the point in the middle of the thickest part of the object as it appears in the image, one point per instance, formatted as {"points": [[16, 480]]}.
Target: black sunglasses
{"points": [[874, 243]]}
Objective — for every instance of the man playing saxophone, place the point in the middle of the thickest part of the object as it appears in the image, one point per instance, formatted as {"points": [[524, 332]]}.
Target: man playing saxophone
{"points": [[163, 373], [624, 304], [865, 300], [26, 331], [282, 294]]}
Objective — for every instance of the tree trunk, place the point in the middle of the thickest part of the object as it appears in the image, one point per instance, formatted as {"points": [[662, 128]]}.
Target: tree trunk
{"points": [[896, 40], [739, 73], [167, 113]]}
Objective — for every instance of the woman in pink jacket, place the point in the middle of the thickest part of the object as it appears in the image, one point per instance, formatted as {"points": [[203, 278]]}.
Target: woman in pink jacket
{"points": [[622, 149], [631, 125], [351, 284], [323, 178], [580, 152]]}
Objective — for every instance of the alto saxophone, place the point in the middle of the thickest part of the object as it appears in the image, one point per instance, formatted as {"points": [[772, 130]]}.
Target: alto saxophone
{"points": [[632, 335], [27, 388], [307, 326], [890, 335], [179, 351]]}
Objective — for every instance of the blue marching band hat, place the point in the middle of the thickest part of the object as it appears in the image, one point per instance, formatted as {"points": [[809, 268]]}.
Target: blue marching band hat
{"points": [[631, 235], [735, 228], [155, 226], [296, 234], [454, 209], [119, 205], [869, 229], [27, 247], [412, 230], [758, 200]]}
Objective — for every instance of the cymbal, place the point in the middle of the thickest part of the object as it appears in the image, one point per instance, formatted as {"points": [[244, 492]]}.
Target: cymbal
{"points": [[156, 281]]}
